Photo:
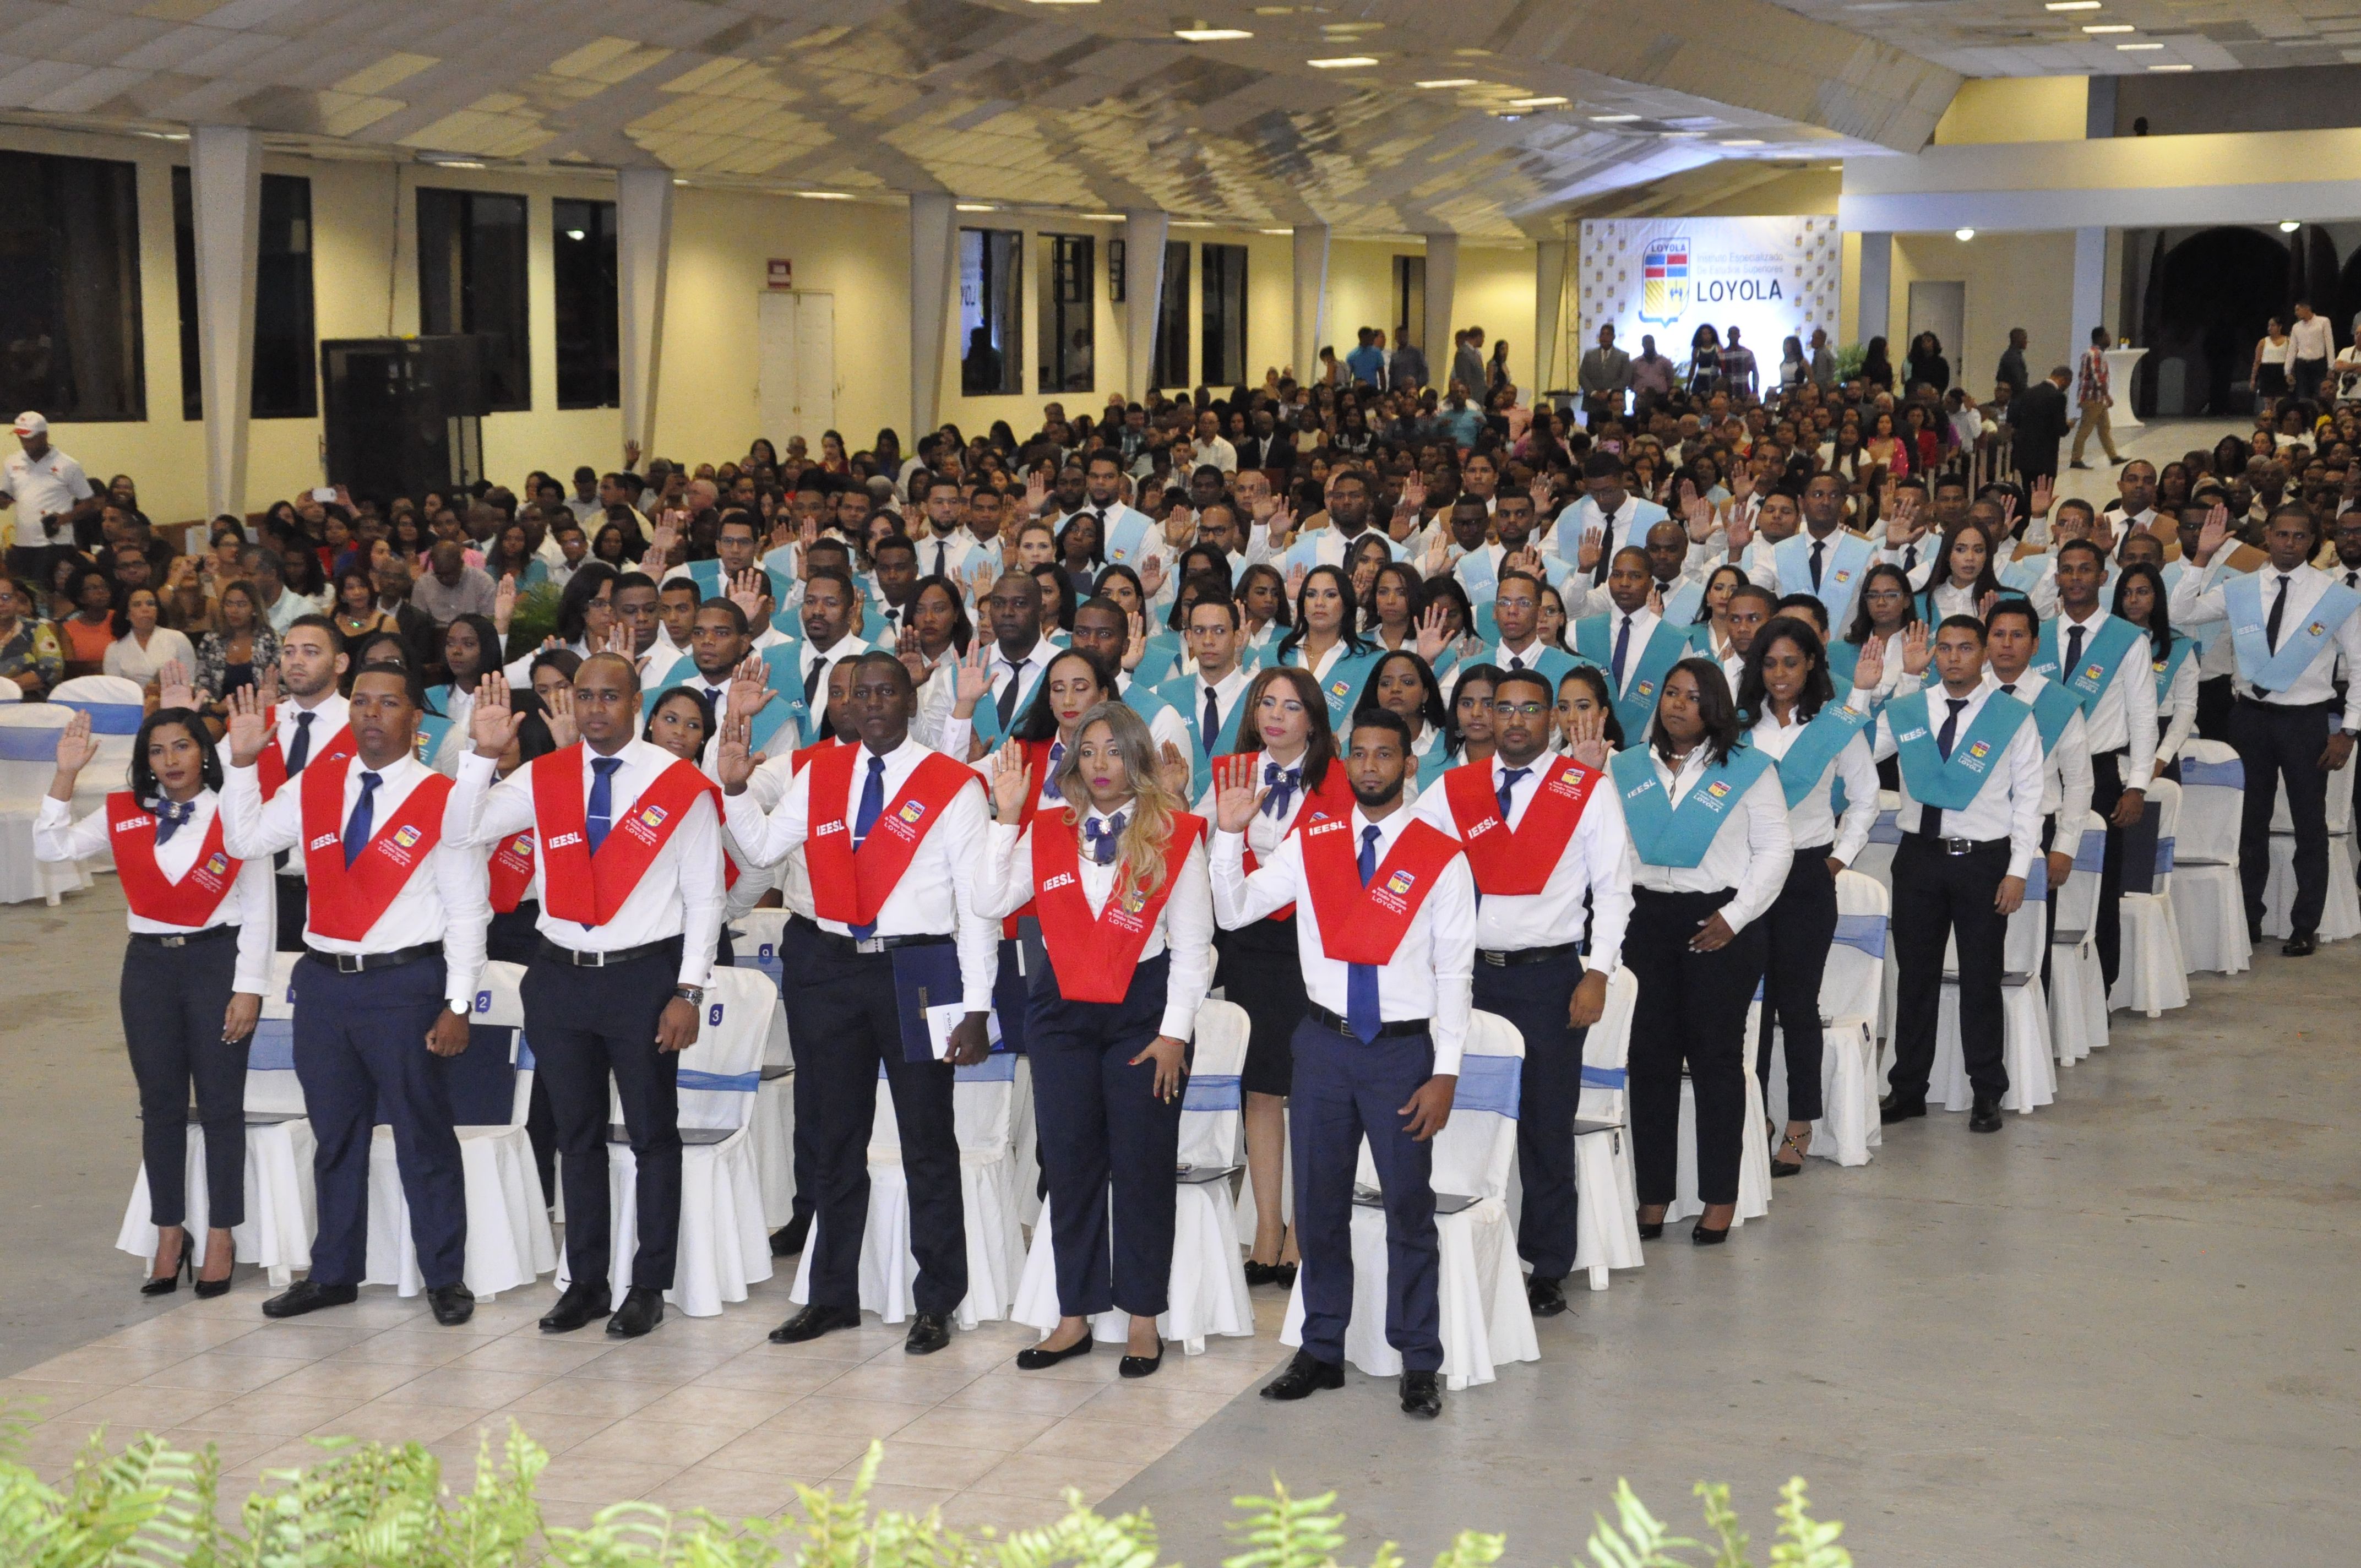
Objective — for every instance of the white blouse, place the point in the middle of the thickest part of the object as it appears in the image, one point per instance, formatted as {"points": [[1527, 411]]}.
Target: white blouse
{"points": [[1750, 852], [1812, 820]]}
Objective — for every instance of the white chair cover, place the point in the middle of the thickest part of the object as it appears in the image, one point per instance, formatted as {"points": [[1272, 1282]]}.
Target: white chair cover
{"points": [[1207, 1292], [29, 752], [1876, 862], [2077, 999], [2207, 903], [1852, 989], [509, 1239], [2024, 1012], [772, 1129], [2154, 975], [115, 705], [1605, 1188], [10, 691], [1484, 1320], [2340, 917]]}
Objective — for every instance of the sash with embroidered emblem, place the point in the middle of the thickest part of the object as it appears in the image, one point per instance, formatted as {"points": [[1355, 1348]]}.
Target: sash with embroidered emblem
{"points": [[1093, 955], [2087, 682], [852, 886], [345, 901], [1365, 925], [1951, 784], [191, 902], [1827, 733], [1678, 836], [588, 889], [1512, 862], [2299, 644]]}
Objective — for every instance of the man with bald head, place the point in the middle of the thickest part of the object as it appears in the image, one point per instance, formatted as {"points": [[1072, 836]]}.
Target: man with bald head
{"points": [[451, 587]]}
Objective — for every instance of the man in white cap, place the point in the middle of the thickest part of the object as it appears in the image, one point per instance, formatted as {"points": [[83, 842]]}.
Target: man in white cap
{"points": [[49, 492]]}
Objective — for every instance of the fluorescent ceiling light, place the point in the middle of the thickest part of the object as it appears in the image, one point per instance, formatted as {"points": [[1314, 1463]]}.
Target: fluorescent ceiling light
{"points": [[2111, 27], [1743, 141], [1342, 62], [974, 207], [1542, 103], [2071, 6], [1448, 82], [577, 233], [1274, 231], [1210, 34], [1682, 136], [2172, 68], [2289, 227], [1964, 233], [1614, 119], [823, 195], [2130, 49], [1103, 218]]}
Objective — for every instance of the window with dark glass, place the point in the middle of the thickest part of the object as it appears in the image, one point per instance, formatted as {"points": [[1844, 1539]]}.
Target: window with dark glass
{"points": [[69, 335], [1170, 367], [471, 278], [992, 280], [589, 331], [1069, 312], [1224, 331], [286, 375]]}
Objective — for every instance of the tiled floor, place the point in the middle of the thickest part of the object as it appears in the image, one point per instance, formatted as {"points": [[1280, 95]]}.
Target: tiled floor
{"points": [[702, 1413]]}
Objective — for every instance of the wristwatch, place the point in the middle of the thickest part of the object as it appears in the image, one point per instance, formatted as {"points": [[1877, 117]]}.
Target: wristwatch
{"points": [[692, 995]]}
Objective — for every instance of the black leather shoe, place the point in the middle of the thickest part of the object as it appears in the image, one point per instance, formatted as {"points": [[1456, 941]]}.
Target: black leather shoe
{"points": [[788, 1239], [583, 1300], [452, 1304], [1983, 1116], [1304, 1376], [165, 1284], [309, 1296], [1141, 1365], [1700, 1237], [813, 1321], [1894, 1108], [1033, 1358], [1422, 1395], [642, 1310], [2300, 946], [1651, 1229], [930, 1331], [1280, 1274], [1545, 1297]]}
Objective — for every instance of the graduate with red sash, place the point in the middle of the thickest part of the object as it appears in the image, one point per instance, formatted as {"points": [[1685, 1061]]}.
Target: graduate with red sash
{"points": [[628, 839], [1543, 834], [890, 832], [394, 942], [1116, 872], [192, 974], [307, 724], [1385, 928]]}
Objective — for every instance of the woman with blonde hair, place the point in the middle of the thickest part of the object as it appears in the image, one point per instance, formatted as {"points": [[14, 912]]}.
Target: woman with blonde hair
{"points": [[1118, 881]]}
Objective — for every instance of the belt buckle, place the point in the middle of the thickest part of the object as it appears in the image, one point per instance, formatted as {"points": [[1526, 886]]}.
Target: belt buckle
{"points": [[589, 960], [869, 945], [172, 941], [1958, 846], [1497, 960], [350, 963]]}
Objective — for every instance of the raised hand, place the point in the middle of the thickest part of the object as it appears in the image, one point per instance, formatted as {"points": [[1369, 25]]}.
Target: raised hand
{"points": [[1544, 489], [504, 599], [735, 760], [1870, 668], [2214, 535], [1917, 649], [913, 657], [660, 542], [1280, 524], [1526, 560], [1134, 647], [1586, 740], [1173, 770], [559, 717], [630, 453], [1738, 532], [1697, 514], [1594, 540], [1655, 600], [493, 724], [1236, 796], [2044, 488], [248, 730], [2008, 516], [749, 590], [750, 689], [77, 749], [972, 682], [1984, 605], [1295, 575], [1433, 632], [1742, 483], [1012, 781], [1413, 491], [173, 685], [1036, 491], [1151, 574]]}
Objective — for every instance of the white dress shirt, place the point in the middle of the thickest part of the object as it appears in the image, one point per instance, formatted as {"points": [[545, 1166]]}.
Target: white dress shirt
{"points": [[1812, 821], [1270, 829], [126, 658], [2067, 780], [2197, 600], [935, 725], [1432, 970], [938, 895], [251, 905], [1593, 867], [1642, 622], [2178, 713], [447, 898], [1184, 926], [810, 655], [1227, 691], [2123, 718], [2006, 806], [49, 484], [955, 548], [1750, 852], [679, 895], [330, 718]]}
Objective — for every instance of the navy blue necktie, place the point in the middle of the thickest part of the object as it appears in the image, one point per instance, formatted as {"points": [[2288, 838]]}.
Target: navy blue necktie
{"points": [[1817, 545], [1007, 702], [1102, 834], [357, 827], [873, 807], [1930, 817], [300, 753], [812, 678], [2073, 654], [1509, 779], [2278, 613], [1910, 558], [1209, 729], [1281, 782], [1623, 646], [598, 819], [170, 814], [1363, 1013]]}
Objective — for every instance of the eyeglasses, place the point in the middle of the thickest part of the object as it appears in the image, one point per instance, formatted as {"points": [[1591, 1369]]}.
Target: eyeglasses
{"points": [[1521, 709]]}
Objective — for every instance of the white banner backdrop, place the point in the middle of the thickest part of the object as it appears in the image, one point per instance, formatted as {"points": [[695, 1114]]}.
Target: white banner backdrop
{"points": [[1667, 277]]}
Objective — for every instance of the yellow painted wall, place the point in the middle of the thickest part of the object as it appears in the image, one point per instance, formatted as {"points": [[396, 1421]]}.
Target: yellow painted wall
{"points": [[2013, 279], [2018, 108]]}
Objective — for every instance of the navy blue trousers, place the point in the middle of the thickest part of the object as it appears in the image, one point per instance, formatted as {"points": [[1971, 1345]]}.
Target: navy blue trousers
{"points": [[173, 1001], [842, 1019], [1343, 1090], [360, 1054], [585, 1023], [1102, 1126], [1534, 997], [797, 946]]}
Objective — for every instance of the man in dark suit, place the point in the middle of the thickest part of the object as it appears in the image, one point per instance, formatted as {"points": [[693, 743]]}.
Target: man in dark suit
{"points": [[2038, 421], [419, 632], [1268, 447]]}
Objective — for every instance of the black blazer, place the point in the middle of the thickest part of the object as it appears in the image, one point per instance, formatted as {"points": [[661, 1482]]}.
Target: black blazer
{"points": [[2038, 422]]}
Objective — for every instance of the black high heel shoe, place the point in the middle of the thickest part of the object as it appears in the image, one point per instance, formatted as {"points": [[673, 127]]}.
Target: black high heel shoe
{"points": [[166, 1284], [1651, 1229], [207, 1289], [1704, 1238]]}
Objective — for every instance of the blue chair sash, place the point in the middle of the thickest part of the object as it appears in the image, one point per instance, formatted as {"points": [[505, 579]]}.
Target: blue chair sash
{"points": [[1613, 1077], [1887, 828], [724, 1083], [1490, 1083], [1866, 932], [272, 1048], [1213, 1092], [28, 743], [110, 717], [2194, 774], [2091, 854]]}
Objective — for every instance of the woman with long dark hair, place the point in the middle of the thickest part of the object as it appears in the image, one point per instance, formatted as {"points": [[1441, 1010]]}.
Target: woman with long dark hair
{"points": [[1467, 726], [2140, 595], [1058, 601], [1405, 685], [938, 624], [470, 649], [1582, 692], [1325, 642], [1710, 829], [1262, 600], [1961, 574], [203, 926]]}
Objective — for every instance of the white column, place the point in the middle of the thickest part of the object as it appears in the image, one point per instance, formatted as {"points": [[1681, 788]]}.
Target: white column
{"points": [[1550, 260], [1442, 280], [1144, 229], [226, 189], [1874, 309], [934, 272], [1311, 295], [643, 247], [2091, 291]]}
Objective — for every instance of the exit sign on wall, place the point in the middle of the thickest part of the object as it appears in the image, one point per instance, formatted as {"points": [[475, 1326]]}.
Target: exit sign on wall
{"points": [[783, 272]]}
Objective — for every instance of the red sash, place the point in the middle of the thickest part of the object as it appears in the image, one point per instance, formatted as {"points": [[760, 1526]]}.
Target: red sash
{"points": [[852, 887], [346, 901], [1365, 925], [1093, 955], [1036, 763], [189, 902], [1334, 796], [588, 889], [512, 872], [272, 764], [1517, 861], [797, 761]]}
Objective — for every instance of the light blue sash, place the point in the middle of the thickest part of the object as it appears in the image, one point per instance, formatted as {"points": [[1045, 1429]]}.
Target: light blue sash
{"points": [[1478, 576], [2299, 645], [1951, 784], [787, 711], [1681, 604], [2168, 667], [2101, 655], [1667, 645], [712, 584], [1180, 692], [1159, 660], [1844, 658], [1341, 686], [1678, 837], [2051, 711], [433, 727], [1829, 732], [1841, 569], [1127, 538]]}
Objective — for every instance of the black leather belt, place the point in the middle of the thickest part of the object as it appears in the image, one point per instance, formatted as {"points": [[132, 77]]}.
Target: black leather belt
{"points": [[186, 938], [578, 959], [1402, 1030], [1512, 957], [1955, 846], [844, 944], [362, 963]]}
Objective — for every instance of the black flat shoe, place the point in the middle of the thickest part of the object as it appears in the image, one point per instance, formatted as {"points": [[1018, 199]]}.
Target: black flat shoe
{"points": [[1033, 1358], [309, 1296], [1422, 1395], [1984, 1115], [2300, 946], [1895, 1108], [642, 1310], [1304, 1376], [930, 1331], [813, 1321], [164, 1285], [1280, 1274], [1544, 1297], [1142, 1365], [1702, 1237], [583, 1300], [788, 1239], [452, 1304]]}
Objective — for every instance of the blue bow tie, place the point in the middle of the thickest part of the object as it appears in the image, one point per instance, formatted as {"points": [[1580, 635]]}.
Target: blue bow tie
{"points": [[1282, 783], [1102, 834], [169, 817]]}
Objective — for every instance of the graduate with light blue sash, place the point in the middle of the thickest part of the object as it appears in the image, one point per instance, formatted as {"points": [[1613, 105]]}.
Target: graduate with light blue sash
{"points": [[1658, 648], [2102, 657], [785, 722], [1669, 835], [1845, 559], [1325, 613]]}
